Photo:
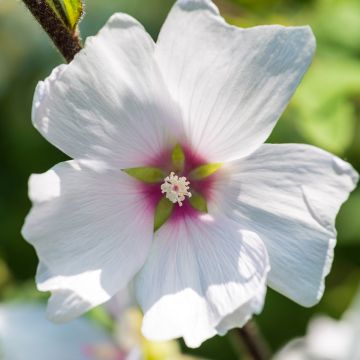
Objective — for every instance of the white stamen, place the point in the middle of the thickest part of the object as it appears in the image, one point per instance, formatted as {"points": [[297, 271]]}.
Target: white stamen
{"points": [[176, 188]]}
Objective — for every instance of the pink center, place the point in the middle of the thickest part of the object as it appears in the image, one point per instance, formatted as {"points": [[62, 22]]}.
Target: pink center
{"points": [[152, 192]]}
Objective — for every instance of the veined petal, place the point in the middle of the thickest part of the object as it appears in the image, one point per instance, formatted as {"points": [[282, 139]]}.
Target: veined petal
{"points": [[199, 272], [110, 101], [289, 195], [71, 295], [244, 313], [232, 97], [84, 225]]}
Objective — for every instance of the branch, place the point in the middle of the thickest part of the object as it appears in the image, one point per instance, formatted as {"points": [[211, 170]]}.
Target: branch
{"points": [[66, 42]]}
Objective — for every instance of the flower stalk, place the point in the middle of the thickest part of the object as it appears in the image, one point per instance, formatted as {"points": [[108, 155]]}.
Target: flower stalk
{"points": [[67, 42], [255, 343]]}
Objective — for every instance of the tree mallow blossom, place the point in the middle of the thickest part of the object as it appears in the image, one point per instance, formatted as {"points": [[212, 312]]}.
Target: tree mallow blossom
{"points": [[171, 187], [25, 334], [128, 336], [328, 338]]}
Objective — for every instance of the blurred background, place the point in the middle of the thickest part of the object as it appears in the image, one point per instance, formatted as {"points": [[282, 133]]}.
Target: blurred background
{"points": [[325, 112]]}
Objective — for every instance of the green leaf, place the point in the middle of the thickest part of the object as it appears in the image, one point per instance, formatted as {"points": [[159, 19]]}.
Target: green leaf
{"points": [[162, 212], [69, 11], [149, 174], [178, 158], [58, 9], [332, 22], [346, 220], [324, 106], [204, 171], [198, 202], [74, 10]]}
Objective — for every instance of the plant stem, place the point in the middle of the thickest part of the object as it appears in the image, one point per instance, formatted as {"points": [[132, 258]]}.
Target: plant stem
{"points": [[66, 42], [255, 344]]}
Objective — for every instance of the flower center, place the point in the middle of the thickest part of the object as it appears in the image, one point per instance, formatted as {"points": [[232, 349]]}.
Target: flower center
{"points": [[164, 192], [176, 188]]}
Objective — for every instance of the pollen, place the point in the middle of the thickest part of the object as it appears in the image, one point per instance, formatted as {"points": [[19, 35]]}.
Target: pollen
{"points": [[176, 188]]}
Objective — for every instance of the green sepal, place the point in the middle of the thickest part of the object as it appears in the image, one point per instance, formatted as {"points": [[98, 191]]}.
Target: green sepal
{"points": [[203, 171], [162, 212], [147, 174], [178, 158], [198, 202]]}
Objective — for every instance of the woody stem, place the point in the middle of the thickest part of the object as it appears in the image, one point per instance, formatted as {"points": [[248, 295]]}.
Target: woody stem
{"points": [[67, 42]]}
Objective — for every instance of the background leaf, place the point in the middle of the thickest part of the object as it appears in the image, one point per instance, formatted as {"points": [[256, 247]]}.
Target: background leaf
{"points": [[324, 102]]}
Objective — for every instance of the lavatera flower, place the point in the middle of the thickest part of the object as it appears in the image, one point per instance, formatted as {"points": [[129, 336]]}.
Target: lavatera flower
{"points": [[328, 338], [25, 334], [171, 187]]}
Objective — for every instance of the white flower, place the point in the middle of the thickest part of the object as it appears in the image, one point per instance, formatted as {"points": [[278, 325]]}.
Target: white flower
{"points": [[128, 319], [205, 93], [25, 334], [328, 339]]}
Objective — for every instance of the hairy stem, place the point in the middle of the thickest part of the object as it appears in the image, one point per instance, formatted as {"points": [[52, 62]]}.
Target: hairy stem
{"points": [[67, 43], [255, 344]]}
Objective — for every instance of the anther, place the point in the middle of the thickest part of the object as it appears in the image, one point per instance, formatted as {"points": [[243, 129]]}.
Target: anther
{"points": [[176, 188]]}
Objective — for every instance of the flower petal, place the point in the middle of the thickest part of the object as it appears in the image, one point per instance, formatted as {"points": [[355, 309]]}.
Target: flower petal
{"points": [[110, 101], [199, 271], [26, 334], [293, 350], [232, 84], [243, 314], [340, 339], [92, 232], [289, 195], [71, 295]]}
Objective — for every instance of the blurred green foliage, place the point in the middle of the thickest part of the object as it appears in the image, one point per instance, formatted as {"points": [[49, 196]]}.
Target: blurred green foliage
{"points": [[325, 112]]}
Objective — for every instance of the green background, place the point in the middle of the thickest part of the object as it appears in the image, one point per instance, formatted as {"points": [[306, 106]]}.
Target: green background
{"points": [[325, 112]]}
